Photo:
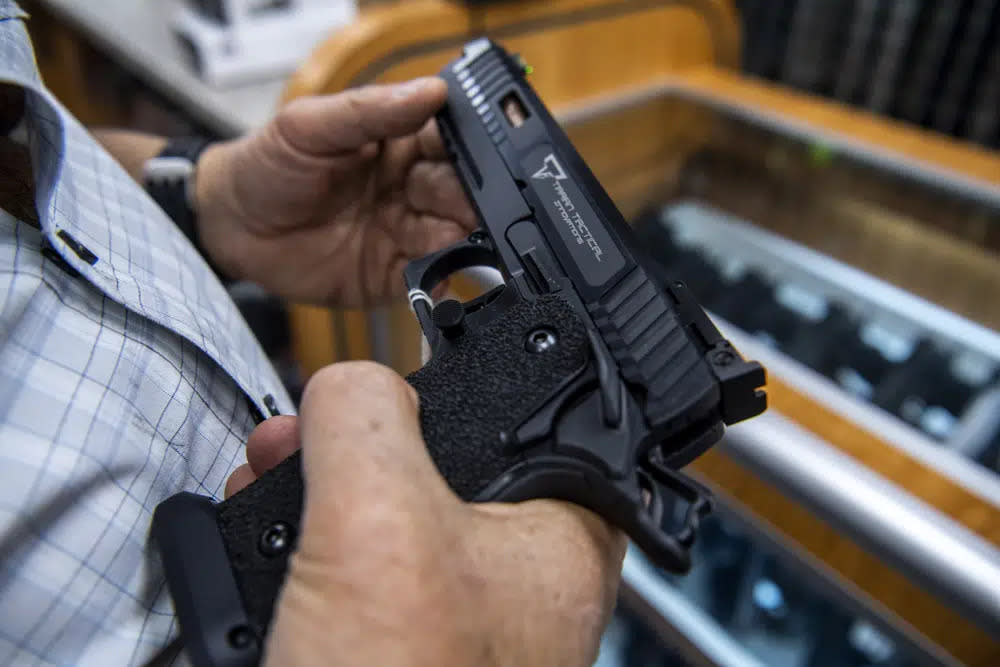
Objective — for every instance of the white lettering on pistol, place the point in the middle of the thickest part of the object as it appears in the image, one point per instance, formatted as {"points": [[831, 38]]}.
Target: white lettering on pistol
{"points": [[574, 221]]}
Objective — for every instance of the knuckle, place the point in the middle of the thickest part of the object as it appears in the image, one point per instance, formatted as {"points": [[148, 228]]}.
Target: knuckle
{"points": [[357, 106], [345, 374], [355, 101], [287, 124], [357, 378]]}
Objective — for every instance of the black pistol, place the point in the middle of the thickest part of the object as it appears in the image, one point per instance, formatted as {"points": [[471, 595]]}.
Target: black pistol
{"points": [[580, 378]]}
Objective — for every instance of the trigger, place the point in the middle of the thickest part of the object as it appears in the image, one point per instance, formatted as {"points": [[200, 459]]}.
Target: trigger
{"points": [[422, 305]]}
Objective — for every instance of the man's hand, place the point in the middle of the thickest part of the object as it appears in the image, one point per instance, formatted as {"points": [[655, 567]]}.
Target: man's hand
{"points": [[329, 201], [393, 569]]}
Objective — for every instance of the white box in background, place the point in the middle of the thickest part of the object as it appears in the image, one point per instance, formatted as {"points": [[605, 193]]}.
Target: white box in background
{"points": [[230, 42]]}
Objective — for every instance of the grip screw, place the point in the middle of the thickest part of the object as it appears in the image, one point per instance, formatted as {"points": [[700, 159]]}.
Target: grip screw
{"points": [[477, 237], [540, 340], [276, 539], [239, 636]]}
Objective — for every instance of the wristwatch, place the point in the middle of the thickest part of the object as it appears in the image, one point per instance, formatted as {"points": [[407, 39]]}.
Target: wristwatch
{"points": [[169, 179]]}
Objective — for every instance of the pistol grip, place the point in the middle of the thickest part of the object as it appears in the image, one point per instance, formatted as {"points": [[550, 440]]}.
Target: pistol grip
{"points": [[486, 384]]}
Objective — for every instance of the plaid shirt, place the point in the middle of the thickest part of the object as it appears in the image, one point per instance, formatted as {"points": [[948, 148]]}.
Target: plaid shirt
{"points": [[126, 375]]}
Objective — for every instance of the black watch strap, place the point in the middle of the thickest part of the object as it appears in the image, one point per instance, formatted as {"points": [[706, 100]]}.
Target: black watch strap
{"points": [[168, 178]]}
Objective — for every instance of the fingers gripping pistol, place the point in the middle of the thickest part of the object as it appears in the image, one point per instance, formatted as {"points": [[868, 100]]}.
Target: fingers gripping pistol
{"points": [[579, 378]]}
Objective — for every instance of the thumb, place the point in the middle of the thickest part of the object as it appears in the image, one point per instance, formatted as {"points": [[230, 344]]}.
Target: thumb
{"points": [[331, 124], [362, 447]]}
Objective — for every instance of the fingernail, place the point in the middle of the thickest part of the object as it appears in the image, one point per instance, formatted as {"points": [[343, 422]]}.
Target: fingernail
{"points": [[411, 87]]}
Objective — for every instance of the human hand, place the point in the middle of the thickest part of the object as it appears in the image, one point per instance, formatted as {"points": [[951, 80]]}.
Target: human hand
{"points": [[393, 569], [329, 201]]}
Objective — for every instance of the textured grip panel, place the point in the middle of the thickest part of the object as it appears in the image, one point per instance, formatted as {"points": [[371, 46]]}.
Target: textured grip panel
{"points": [[488, 383], [275, 497]]}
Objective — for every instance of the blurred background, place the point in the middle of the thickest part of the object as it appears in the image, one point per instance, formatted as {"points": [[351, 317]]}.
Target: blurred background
{"points": [[934, 64], [823, 174]]}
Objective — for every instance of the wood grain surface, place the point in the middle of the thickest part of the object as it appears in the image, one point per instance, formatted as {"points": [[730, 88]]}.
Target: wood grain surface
{"points": [[898, 139]]}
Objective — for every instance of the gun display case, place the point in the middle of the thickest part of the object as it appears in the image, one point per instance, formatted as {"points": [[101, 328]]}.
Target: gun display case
{"points": [[855, 256], [864, 285]]}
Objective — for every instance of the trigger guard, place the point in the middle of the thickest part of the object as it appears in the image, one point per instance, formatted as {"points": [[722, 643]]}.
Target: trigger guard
{"points": [[423, 275], [428, 272], [547, 477]]}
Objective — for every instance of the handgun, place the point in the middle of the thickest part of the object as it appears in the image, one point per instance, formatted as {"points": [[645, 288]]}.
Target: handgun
{"points": [[582, 377]]}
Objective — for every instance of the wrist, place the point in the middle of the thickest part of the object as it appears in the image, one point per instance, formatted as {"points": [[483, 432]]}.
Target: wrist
{"points": [[132, 150], [171, 178], [215, 204]]}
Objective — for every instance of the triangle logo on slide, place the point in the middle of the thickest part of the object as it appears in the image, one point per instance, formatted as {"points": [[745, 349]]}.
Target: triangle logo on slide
{"points": [[550, 169]]}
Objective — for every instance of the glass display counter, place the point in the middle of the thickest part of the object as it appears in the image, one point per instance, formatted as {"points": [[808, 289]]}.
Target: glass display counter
{"points": [[863, 281], [879, 276], [865, 284]]}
